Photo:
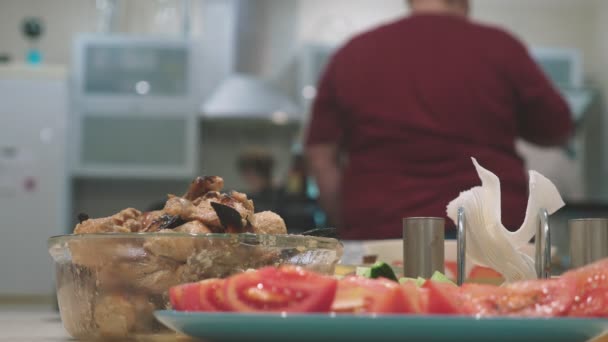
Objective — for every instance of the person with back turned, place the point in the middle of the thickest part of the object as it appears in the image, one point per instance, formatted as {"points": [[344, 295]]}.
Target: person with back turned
{"points": [[402, 108]]}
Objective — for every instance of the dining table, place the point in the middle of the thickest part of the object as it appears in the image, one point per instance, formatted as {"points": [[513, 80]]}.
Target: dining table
{"points": [[43, 324]]}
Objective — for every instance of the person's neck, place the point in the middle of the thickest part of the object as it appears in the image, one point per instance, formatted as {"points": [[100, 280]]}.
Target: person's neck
{"points": [[437, 9]]}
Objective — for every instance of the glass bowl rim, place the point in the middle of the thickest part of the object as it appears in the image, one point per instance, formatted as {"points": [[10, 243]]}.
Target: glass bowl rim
{"points": [[325, 242]]}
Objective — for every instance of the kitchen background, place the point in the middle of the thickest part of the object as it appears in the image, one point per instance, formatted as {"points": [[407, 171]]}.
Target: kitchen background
{"points": [[209, 78]]}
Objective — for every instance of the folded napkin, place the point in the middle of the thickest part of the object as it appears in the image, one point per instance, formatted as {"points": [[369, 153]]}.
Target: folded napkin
{"points": [[489, 243]]}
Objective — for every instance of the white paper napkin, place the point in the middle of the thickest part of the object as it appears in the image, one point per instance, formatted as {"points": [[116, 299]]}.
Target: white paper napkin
{"points": [[489, 243]]}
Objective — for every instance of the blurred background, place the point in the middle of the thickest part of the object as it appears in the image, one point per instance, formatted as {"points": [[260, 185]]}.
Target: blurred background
{"points": [[107, 104]]}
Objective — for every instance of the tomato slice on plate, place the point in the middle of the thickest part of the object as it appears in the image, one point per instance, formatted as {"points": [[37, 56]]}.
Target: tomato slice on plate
{"points": [[540, 298], [423, 299], [481, 272], [206, 295], [451, 269], [533, 298], [212, 295], [591, 290], [415, 300], [363, 295], [176, 296], [284, 289], [443, 298], [593, 304], [480, 299]]}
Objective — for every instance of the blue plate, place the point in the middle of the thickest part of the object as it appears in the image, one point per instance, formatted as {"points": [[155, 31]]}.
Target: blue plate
{"points": [[326, 327]]}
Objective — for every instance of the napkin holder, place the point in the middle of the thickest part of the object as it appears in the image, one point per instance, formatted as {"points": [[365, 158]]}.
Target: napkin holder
{"points": [[542, 246]]}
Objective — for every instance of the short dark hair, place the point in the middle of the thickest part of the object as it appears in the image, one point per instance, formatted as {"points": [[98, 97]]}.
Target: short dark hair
{"points": [[257, 160]]}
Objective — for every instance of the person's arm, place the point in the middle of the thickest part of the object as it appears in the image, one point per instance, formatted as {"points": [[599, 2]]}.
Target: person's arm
{"points": [[323, 163], [324, 137], [544, 116]]}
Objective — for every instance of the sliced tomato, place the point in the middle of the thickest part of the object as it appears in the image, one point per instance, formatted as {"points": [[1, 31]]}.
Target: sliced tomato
{"points": [[212, 295], [591, 290], [481, 300], [593, 304], [181, 297], [480, 272], [206, 295], [176, 296], [534, 298], [443, 298], [423, 300], [540, 298], [363, 295], [451, 269], [414, 300], [284, 289]]}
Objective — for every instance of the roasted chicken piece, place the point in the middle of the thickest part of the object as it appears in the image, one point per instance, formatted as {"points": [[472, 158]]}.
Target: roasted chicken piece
{"points": [[211, 196], [151, 274], [114, 315], [194, 205], [201, 209], [202, 185], [221, 258], [217, 259], [242, 198], [268, 222], [149, 217], [152, 221], [118, 315], [144, 309], [178, 248], [193, 227], [160, 221], [126, 221], [95, 253], [234, 211], [240, 203], [188, 211]]}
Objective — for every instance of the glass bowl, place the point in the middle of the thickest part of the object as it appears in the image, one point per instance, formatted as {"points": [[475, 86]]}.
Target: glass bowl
{"points": [[109, 285]]}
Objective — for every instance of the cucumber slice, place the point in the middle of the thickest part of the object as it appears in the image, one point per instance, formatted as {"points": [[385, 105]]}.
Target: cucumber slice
{"points": [[384, 270], [437, 276], [408, 280], [441, 278], [378, 270], [364, 272], [420, 281], [417, 281]]}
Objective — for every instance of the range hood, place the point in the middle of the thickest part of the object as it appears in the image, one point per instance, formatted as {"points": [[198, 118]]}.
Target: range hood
{"points": [[235, 89], [246, 96]]}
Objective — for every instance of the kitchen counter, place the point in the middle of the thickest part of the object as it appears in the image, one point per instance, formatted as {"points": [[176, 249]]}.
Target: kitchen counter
{"points": [[31, 324], [40, 324]]}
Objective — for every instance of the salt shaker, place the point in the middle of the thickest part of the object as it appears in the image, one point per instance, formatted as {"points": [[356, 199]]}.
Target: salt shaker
{"points": [[588, 240], [423, 246]]}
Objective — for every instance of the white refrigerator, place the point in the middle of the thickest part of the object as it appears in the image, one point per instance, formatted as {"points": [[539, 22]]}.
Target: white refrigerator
{"points": [[33, 178]]}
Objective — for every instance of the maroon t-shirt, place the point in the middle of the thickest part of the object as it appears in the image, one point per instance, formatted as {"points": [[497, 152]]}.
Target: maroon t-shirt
{"points": [[410, 102]]}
